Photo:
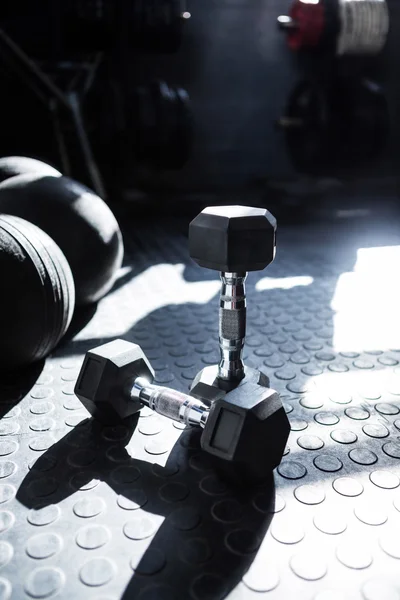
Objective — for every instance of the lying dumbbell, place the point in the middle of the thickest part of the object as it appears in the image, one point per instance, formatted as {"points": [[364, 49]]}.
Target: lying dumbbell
{"points": [[115, 382], [59, 242]]}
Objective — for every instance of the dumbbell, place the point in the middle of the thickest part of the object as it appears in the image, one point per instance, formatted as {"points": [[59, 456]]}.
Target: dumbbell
{"points": [[339, 123], [38, 295], [350, 27], [235, 240], [232, 240], [116, 381]]}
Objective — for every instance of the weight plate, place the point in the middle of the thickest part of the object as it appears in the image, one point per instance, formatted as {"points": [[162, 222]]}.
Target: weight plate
{"points": [[361, 120], [308, 125], [185, 133], [332, 25], [364, 26], [175, 133], [336, 125], [144, 125], [165, 100], [171, 155], [371, 117]]}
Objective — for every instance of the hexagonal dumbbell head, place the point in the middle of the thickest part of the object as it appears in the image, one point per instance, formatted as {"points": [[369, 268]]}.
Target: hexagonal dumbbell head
{"points": [[248, 430], [233, 239], [106, 377]]}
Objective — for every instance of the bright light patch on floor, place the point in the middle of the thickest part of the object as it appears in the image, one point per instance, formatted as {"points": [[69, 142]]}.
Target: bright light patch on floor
{"points": [[123, 271], [155, 288], [337, 392], [367, 302], [282, 283], [359, 385]]}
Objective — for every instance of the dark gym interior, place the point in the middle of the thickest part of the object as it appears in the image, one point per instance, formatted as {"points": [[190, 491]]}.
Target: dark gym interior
{"points": [[199, 300]]}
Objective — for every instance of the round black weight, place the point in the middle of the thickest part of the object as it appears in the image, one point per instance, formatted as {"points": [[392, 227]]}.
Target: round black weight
{"points": [[162, 125], [165, 101], [11, 166], [77, 220], [175, 113], [308, 125], [143, 124], [334, 125], [362, 119], [37, 295]]}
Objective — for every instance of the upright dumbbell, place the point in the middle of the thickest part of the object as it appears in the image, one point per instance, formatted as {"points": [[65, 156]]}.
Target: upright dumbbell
{"points": [[234, 240], [352, 27], [116, 381]]}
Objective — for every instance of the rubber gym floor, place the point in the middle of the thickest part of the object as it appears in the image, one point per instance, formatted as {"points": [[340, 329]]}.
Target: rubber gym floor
{"points": [[136, 510]]}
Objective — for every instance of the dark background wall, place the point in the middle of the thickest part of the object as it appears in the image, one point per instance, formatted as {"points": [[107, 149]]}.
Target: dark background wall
{"points": [[239, 72]]}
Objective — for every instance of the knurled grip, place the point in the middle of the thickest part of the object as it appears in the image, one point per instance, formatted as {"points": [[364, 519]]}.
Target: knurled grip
{"points": [[232, 323], [170, 403]]}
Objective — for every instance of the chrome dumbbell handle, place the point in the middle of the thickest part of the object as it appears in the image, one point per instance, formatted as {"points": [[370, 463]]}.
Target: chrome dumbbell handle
{"points": [[170, 403], [232, 326]]}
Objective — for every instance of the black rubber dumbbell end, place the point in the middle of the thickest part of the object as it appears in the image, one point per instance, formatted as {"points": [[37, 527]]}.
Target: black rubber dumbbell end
{"points": [[247, 430], [233, 239], [106, 378]]}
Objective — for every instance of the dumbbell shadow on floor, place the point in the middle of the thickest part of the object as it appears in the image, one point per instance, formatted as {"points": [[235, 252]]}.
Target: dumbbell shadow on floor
{"points": [[209, 527]]}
